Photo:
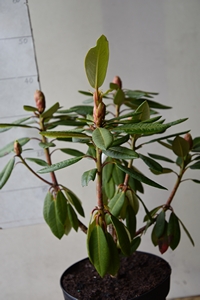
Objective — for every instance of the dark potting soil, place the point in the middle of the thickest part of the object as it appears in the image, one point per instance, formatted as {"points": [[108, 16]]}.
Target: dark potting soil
{"points": [[138, 274]]}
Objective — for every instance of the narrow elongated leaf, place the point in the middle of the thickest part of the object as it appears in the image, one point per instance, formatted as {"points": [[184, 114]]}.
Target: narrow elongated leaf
{"points": [[120, 141], [116, 203], [195, 166], [61, 207], [114, 256], [96, 62], [122, 236], [88, 176], [107, 170], [49, 112], [133, 200], [160, 224], [152, 212], [135, 243], [64, 134], [60, 165], [46, 145], [152, 164], [140, 177], [144, 111], [51, 216], [29, 108], [80, 109], [160, 157], [166, 137], [180, 146], [142, 128], [102, 138], [196, 144], [99, 252], [117, 175], [72, 152], [10, 147], [173, 231], [75, 201], [20, 121], [72, 217], [187, 232], [38, 161], [120, 153], [196, 180], [109, 188], [131, 220], [6, 172]]}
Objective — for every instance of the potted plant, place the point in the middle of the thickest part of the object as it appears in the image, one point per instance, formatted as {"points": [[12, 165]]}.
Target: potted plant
{"points": [[113, 129]]}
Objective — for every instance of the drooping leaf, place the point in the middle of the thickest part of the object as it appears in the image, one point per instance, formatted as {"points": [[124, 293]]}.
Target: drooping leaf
{"points": [[102, 138], [10, 147], [107, 170], [133, 200], [160, 157], [180, 146], [152, 164], [117, 175], [116, 203], [195, 166], [187, 232], [119, 97], [96, 62], [99, 252], [75, 201], [114, 256], [173, 231], [160, 224], [120, 153], [6, 172], [60, 165], [140, 176], [61, 206], [196, 144], [152, 212], [72, 217], [109, 188], [131, 220], [88, 176], [51, 217], [122, 235]]}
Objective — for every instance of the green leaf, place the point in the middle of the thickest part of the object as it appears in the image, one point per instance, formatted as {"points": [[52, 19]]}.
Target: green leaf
{"points": [[180, 146], [195, 180], [160, 224], [140, 176], [10, 147], [6, 172], [187, 232], [88, 176], [119, 97], [107, 169], [29, 108], [152, 212], [114, 256], [144, 110], [99, 253], [116, 203], [72, 217], [102, 138], [49, 112], [152, 164], [131, 220], [133, 200], [122, 235], [196, 144], [51, 216], [173, 231], [142, 128], [96, 62], [46, 145], [135, 243], [72, 152], [165, 137], [195, 166], [120, 141], [61, 207], [160, 157], [120, 153], [80, 109], [117, 175], [64, 134], [75, 201], [38, 161], [109, 188], [60, 165], [3, 129]]}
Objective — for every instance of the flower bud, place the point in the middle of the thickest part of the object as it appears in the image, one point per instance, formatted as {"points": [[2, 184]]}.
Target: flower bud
{"points": [[117, 80], [40, 101], [189, 139], [17, 148]]}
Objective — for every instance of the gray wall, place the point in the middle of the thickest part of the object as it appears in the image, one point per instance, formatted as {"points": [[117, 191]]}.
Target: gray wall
{"points": [[154, 46]]}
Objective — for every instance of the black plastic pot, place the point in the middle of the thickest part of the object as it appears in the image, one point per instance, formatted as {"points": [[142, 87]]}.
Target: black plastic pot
{"points": [[159, 292]]}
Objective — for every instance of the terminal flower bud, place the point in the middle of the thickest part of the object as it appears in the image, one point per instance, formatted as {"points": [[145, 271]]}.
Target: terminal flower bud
{"points": [[117, 80], [40, 101], [17, 148], [189, 139]]}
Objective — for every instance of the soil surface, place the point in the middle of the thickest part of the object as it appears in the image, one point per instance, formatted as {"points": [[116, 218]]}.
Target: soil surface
{"points": [[138, 274]]}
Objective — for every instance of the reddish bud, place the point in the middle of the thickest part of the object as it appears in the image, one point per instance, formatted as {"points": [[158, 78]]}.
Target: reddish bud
{"points": [[189, 139], [117, 80], [40, 101], [17, 148]]}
